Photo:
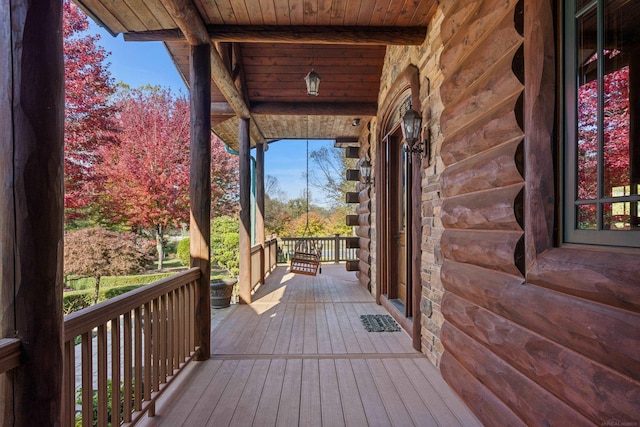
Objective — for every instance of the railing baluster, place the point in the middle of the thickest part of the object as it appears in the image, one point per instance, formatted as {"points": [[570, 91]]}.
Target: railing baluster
{"points": [[182, 325], [147, 383], [163, 339], [138, 381], [128, 346], [69, 384], [190, 317], [156, 342], [87, 377], [170, 352], [115, 371], [102, 376]]}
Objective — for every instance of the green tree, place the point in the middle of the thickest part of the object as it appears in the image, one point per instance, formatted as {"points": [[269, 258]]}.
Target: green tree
{"points": [[225, 243]]}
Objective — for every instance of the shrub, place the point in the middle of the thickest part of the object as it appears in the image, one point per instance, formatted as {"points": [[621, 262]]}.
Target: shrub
{"points": [[184, 252], [225, 243], [109, 293], [76, 300]]}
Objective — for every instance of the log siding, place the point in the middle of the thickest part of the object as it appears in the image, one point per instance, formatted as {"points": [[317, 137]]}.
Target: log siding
{"points": [[533, 332]]}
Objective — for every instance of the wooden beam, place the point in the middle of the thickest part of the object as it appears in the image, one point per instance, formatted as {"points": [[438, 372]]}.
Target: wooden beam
{"points": [[222, 109], [315, 108], [244, 279], [32, 208], [193, 29], [299, 34], [200, 189]]}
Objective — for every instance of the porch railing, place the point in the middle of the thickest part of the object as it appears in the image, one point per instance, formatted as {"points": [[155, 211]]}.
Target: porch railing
{"points": [[9, 354], [147, 334], [334, 249], [263, 261]]}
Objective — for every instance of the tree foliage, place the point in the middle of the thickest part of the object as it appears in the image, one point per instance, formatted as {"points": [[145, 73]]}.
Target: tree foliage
{"points": [[225, 243], [96, 252], [616, 139], [89, 115], [147, 172]]}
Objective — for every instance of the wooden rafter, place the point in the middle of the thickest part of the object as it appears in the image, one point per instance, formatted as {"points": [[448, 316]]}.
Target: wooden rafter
{"points": [[193, 29], [348, 35]]}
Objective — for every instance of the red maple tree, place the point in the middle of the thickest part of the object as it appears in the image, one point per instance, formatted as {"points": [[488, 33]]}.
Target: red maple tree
{"points": [[616, 142], [147, 172], [89, 114]]}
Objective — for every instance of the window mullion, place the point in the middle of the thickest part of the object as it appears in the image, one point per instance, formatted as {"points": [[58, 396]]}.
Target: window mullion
{"points": [[600, 71]]}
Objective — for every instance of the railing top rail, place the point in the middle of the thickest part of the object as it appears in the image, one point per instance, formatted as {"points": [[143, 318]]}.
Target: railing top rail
{"points": [[255, 248], [84, 320], [310, 238], [9, 354]]}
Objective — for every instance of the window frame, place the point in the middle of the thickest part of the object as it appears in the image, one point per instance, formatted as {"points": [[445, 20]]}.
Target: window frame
{"points": [[627, 239]]}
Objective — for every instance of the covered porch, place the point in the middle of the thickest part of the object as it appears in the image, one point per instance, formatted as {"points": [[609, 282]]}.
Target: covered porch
{"points": [[299, 355]]}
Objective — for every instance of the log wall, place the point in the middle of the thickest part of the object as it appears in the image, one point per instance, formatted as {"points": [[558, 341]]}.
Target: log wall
{"points": [[533, 333]]}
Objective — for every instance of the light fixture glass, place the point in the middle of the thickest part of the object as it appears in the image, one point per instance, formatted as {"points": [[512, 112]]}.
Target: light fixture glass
{"points": [[365, 171], [411, 123], [313, 83]]}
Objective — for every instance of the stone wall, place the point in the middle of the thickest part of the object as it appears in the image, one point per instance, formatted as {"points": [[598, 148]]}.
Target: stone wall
{"points": [[425, 57]]}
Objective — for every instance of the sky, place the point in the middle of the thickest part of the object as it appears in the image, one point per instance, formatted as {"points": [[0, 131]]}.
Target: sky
{"points": [[141, 63]]}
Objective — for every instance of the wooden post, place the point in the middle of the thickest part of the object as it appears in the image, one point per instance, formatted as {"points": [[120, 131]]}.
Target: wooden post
{"points": [[200, 190], [260, 207], [244, 281], [337, 248], [31, 208]]}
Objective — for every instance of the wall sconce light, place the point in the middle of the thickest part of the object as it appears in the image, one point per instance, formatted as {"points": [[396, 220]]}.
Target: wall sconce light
{"points": [[365, 171], [411, 126], [356, 122]]}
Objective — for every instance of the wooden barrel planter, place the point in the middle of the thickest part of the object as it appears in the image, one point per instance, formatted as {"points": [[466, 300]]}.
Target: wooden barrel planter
{"points": [[221, 291]]}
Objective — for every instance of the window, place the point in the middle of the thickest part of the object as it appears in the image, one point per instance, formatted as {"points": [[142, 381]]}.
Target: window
{"points": [[601, 103]]}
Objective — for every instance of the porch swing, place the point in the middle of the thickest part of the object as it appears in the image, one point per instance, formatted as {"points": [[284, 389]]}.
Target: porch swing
{"points": [[307, 252]]}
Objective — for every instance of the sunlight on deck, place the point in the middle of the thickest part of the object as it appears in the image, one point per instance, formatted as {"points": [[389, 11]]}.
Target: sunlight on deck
{"points": [[299, 355]]}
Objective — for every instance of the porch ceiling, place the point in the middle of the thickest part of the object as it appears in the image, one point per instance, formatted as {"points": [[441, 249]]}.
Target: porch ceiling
{"points": [[265, 48]]}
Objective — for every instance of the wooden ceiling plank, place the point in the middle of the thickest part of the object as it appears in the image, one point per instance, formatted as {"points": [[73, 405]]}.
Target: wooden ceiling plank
{"points": [[142, 12], [352, 12], [107, 19], [339, 12], [125, 14], [375, 36], [226, 12], [268, 11], [393, 11], [423, 13], [324, 12], [379, 12], [315, 108], [296, 11], [310, 16], [283, 13], [240, 12], [406, 13], [303, 69], [161, 14], [365, 13]]}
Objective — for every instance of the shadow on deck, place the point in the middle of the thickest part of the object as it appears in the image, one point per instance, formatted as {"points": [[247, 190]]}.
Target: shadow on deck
{"points": [[298, 355]]}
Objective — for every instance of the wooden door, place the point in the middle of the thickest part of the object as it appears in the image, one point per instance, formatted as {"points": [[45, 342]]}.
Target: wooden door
{"points": [[397, 225]]}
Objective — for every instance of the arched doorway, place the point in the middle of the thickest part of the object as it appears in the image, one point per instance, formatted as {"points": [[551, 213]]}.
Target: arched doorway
{"points": [[398, 211]]}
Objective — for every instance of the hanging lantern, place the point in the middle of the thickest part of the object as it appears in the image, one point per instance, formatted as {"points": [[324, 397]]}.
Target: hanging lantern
{"points": [[313, 83]]}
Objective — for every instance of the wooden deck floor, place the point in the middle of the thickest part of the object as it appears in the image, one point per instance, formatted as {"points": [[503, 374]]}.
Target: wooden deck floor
{"points": [[299, 356]]}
